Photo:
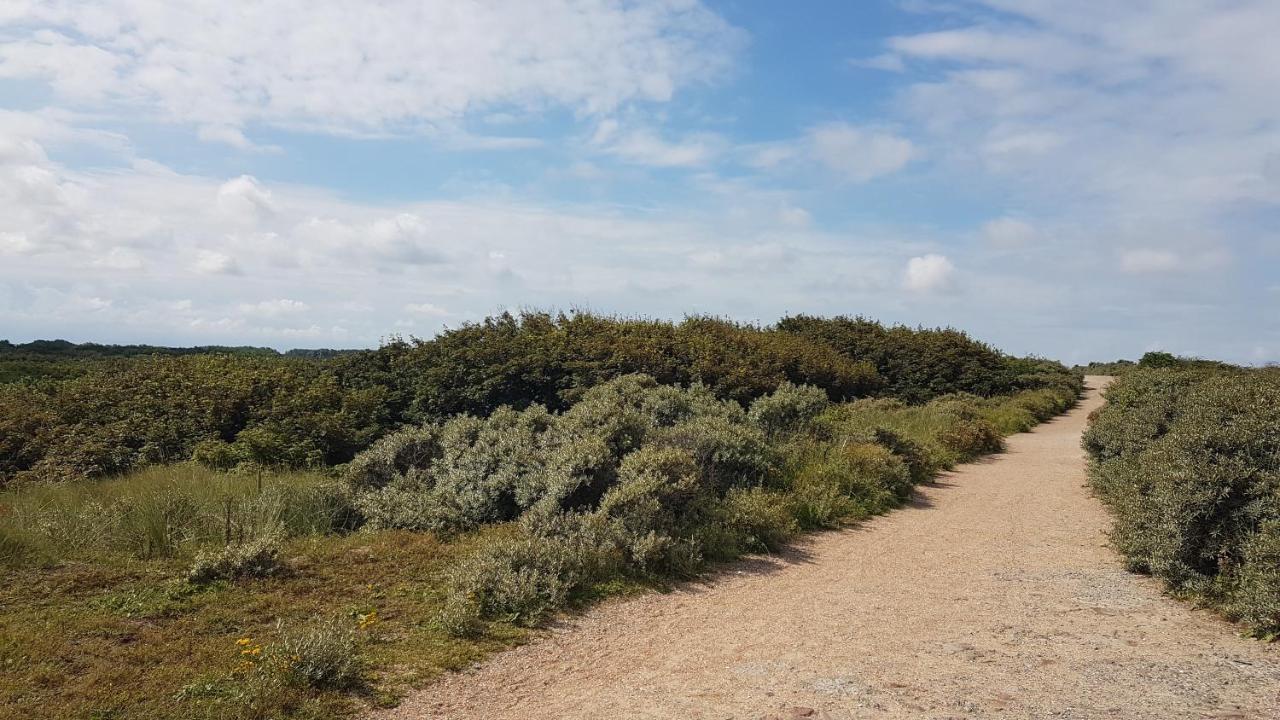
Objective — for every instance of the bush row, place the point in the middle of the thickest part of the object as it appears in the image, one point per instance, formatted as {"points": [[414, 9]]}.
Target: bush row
{"points": [[647, 480], [229, 410], [1189, 462]]}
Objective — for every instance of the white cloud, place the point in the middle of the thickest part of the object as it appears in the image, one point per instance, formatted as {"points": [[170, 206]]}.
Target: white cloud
{"points": [[750, 259], [362, 68], [860, 154], [854, 153], [210, 262], [929, 273], [1008, 232], [245, 200], [233, 136], [274, 308], [1137, 120], [15, 243], [401, 258], [120, 258], [644, 146], [426, 309], [403, 238]]}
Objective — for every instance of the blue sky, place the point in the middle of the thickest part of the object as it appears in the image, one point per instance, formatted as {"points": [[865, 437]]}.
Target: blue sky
{"points": [[1080, 180]]}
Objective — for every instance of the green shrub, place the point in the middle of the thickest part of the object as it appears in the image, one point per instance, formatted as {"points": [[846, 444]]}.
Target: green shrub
{"points": [[788, 409], [728, 454], [521, 579], [217, 454], [392, 457], [16, 549], [760, 519], [917, 364], [1255, 591], [256, 557], [848, 481], [324, 654], [660, 497], [971, 438], [552, 360], [1189, 462]]}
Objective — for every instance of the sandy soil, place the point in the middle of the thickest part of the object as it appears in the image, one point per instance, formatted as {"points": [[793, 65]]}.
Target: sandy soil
{"points": [[992, 595]]}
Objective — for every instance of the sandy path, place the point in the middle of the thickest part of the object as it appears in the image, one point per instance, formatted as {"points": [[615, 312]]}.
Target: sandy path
{"points": [[992, 595]]}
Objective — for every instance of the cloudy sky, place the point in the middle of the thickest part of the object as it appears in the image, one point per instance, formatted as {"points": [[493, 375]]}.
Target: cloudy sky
{"points": [[1079, 179]]}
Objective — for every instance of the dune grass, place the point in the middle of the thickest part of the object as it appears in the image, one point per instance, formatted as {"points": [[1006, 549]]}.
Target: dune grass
{"points": [[163, 512]]}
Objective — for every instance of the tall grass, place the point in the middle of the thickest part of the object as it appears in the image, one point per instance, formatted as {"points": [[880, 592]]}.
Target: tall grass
{"points": [[168, 511]]}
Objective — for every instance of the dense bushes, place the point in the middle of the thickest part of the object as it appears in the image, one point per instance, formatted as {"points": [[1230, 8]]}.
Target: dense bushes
{"points": [[917, 365], [1189, 461], [552, 359], [648, 480], [161, 409], [114, 413]]}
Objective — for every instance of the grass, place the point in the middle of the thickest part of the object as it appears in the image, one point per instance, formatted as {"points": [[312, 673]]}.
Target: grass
{"points": [[163, 512], [97, 620], [126, 640]]}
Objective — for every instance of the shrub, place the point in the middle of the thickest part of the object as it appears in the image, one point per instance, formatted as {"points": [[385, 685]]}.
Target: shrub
{"points": [[655, 505], [521, 579], [394, 456], [217, 454], [760, 519], [848, 482], [257, 557], [1255, 595], [324, 654], [970, 438], [788, 409], [916, 459], [728, 454], [916, 364], [154, 410], [552, 359], [1189, 462]]}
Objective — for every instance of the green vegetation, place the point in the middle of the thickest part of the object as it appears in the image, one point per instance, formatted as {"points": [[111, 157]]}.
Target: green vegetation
{"points": [[1153, 359], [445, 495], [250, 407], [1188, 459]]}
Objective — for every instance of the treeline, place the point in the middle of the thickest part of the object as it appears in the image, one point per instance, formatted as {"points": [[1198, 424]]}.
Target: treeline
{"points": [[232, 408], [67, 350], [1188, 459], [61, 359], [1153, 359]]}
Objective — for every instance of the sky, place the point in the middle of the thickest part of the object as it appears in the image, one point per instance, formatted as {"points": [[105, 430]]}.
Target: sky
{"points": [[1076, 179]]}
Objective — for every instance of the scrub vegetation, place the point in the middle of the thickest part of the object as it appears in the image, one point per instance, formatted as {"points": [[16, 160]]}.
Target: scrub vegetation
{"points": [[1187, 456], [239, 535]]}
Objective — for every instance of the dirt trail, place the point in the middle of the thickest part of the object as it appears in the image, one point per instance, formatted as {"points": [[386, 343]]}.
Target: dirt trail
{"points": [[992, 595]]}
